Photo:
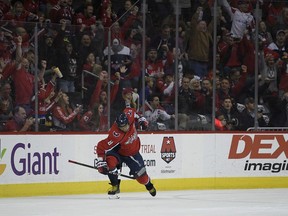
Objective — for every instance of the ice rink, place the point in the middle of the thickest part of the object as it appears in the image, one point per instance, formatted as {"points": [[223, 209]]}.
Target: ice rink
{"points": [[260, 202]]}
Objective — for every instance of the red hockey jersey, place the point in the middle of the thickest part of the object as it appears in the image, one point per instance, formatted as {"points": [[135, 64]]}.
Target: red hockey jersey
{"points": [[128, 143]]}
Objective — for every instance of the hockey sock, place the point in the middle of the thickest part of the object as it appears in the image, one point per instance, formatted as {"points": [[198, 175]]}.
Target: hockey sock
{"points": [[143, 179], [111, 162]]}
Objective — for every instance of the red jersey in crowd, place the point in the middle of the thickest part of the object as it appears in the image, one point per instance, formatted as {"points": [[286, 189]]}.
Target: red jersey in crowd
{"points": [[23, 81], [82, 19], [13, 126], [61, 12], [86, 122]]}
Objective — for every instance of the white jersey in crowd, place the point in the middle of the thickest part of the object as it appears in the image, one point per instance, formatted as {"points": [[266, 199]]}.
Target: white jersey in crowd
{"points": [[157, 114], [240, 20]]}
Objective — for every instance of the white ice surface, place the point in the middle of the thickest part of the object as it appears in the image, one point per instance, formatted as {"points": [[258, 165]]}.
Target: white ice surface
{"points": [[260, 202]]}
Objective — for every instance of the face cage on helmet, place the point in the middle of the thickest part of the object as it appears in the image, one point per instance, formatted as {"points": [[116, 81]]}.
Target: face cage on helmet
{"points": [[122, 120]]}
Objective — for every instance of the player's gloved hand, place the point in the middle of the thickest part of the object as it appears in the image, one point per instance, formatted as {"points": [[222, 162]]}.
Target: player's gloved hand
{"points": [[143, 123], [101, 165], [114, 172]]}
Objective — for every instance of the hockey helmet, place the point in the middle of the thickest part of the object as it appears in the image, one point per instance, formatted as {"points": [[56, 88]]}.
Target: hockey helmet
{"points": [[122, 120]]}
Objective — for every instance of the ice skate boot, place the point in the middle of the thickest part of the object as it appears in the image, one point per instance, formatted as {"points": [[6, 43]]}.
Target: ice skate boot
{"points": [[112, 193], [151, 189]]}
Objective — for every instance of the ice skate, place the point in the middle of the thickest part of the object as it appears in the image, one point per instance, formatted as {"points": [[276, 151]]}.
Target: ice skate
{"points": [[114, 191], [151, 189]]}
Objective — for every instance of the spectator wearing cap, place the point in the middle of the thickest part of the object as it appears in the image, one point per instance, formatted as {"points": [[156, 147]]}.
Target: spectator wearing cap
{"points": [[120, 56], [241, 17], [280, 44], [247, 116], [127, 95], [269, 69]]}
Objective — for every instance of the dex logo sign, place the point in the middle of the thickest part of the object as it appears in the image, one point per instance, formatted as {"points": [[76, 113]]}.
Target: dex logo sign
{"points": [[261, 147], [264, 152]]}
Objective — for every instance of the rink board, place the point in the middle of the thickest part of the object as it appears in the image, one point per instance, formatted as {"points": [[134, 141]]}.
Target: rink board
{"points": [[38, 164]]}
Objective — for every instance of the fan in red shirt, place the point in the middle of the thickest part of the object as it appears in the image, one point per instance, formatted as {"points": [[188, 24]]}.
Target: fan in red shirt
{"points": [[123, 145], [86, 18], [19, 122], [19, 14], [94, 119]]}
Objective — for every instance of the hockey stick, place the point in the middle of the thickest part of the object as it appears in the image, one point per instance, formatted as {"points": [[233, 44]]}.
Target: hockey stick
{"points": [[89, 166]]}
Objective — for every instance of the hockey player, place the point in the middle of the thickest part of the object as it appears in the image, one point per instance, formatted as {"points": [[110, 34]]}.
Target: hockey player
{"points": [[123, 145]]}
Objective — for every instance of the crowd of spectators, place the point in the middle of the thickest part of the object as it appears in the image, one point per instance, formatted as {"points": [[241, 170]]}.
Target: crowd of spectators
{"points": [[70, 74]]}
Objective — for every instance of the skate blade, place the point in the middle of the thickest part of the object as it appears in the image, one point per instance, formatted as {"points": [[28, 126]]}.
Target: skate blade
{"points": [[114, 196]]}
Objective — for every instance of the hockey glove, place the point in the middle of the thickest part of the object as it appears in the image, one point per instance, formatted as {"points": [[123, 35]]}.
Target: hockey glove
{"points": [[101, 166]]}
